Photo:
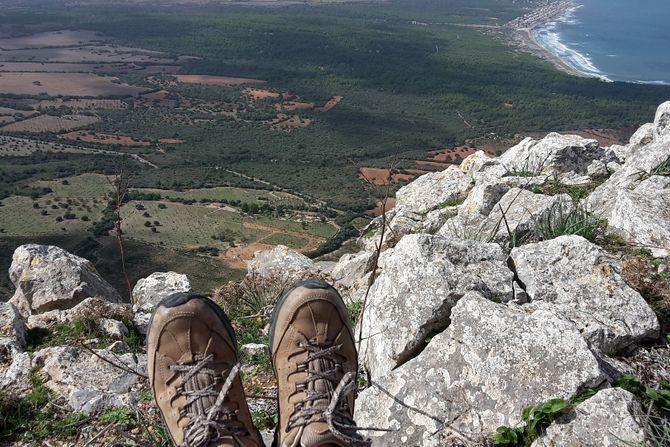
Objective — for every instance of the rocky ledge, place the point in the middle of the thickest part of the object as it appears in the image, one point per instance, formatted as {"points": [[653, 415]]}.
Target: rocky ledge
{"points": [[517, 300]]}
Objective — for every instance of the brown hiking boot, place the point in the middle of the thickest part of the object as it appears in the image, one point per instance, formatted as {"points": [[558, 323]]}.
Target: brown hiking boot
{"points": [[193, 370], [315, 361]]}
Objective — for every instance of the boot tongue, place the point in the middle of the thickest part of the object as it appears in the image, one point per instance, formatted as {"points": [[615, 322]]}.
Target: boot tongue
{"points": [[198, 382], [318, 434]]}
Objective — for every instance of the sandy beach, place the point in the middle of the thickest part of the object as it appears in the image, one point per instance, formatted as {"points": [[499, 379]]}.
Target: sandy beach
{"points": [[522, 31]]}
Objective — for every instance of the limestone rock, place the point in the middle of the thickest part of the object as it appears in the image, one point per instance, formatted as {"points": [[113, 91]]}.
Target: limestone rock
{"points": [[662, 122], [49, 278], [149, 291], [12, 326], [428, 193], [89, 308], [555, 154], [350, 270], [581, 283], [517, 213], [490, 363], [610, 418], [113, 329], [15, 371], [642, 215], [14, 363], [87, 382], [421, 279], [628, 193], [280, 262]]}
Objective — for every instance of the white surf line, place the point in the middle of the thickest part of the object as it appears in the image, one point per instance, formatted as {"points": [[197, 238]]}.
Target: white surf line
{"points": [[546, 37]]}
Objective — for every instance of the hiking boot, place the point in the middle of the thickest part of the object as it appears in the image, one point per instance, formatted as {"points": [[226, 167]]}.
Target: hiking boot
{"points": [[193, 371], [315, 361]]}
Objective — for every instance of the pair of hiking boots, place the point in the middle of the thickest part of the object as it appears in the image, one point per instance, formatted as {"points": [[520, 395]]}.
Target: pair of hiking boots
{"points": [[194, 371]]}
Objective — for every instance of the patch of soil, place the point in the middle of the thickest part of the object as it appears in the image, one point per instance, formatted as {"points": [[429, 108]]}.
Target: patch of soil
{"points": [[380, 176], [256, 94], [644, 275], [216, 80], [171, 140], [104, 138], [335, 100], [236, 257]]}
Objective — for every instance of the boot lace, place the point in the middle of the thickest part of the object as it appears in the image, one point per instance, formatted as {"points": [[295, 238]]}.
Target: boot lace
{"points": [[337, 413], [215, 422]]}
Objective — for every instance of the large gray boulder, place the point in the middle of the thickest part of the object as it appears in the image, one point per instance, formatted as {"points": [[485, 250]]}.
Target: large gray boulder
{"points": [[49, 278], [611, 418], [555, 154], [351, 270], [149, 291], [281, 263], [581, 283], [491, 362], [635, 199], [88, 382], [426, 195], [421, 280]]}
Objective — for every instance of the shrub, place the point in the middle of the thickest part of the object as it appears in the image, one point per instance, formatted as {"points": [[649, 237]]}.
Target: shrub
{"points": [[561, 221]]}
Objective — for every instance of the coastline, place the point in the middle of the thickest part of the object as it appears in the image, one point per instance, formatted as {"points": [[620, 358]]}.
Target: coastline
{"points": [[523, 36]]}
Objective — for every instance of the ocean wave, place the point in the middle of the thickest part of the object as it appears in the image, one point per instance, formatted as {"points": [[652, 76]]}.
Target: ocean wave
{"points": [[551, 41], [652, 82]]}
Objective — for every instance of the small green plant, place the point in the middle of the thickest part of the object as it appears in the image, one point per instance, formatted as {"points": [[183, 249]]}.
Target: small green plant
{"points": [[30, 418], [264, 419], [537, 418], [119, 416], [563, 220], [662, 169], [660, 396], [530, 167], [354, 311]]}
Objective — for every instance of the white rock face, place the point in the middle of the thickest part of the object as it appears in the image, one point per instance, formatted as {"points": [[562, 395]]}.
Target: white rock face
{"points": [[350, 271], [635, 200], [608, 419], [148, 292], [14, 363], [422, 278], [88, 382], [280, 262], [581, 283], [49, 278], [423, 196], [555, 154], [492, 361]]}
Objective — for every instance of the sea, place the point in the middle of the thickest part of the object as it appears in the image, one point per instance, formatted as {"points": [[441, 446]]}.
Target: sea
{"points": [[615, 40]]}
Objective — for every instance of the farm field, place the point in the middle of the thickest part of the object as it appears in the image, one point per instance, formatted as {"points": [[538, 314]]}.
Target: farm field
{"points": [[103, 138], [229, 194], [50, 123], [65, 84]]}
